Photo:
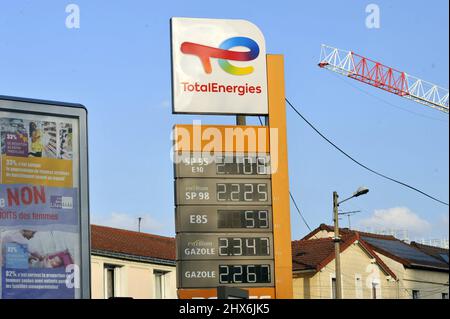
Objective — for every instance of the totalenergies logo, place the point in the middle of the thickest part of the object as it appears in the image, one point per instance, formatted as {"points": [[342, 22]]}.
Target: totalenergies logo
{"points": [[224, 54]]}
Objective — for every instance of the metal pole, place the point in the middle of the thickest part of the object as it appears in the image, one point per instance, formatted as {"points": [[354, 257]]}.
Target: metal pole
{"points": [[139, 224], [337, 240], [240, 120]]}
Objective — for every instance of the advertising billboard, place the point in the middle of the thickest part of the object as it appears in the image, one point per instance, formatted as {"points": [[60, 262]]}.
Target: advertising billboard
{"points": [[44, 213], [218, 67]]}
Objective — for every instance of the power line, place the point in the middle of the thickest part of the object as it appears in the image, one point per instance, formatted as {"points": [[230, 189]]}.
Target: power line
{"points": [[298, 210], [359, 163]]}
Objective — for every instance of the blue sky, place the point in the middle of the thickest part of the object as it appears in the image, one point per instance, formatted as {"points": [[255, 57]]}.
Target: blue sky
{"points": [[118, 65]]}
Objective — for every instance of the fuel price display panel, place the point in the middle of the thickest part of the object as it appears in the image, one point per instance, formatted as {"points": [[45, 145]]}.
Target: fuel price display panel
{"points": [[212, 191], [198, 164], [211, 274], [192, 246], [247, 219]]}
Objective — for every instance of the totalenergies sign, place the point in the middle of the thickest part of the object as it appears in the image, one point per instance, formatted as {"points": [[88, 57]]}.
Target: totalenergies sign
{"points": [[218, 67]]}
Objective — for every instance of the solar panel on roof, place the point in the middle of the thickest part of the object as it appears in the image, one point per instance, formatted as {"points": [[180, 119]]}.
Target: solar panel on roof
{"points": [[445, 257], [404, 251]]}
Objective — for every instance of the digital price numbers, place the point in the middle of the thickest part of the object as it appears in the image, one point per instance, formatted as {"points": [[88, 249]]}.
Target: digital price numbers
{"points": [[246, 219], [242, 192], [244, 274], [237, 246]]}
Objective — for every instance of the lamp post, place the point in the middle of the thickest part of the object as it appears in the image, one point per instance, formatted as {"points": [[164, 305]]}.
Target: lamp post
{"points": [[360, 191]]}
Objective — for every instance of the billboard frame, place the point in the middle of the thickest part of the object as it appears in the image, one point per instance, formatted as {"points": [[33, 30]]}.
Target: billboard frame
{"points": [[79, 112]]}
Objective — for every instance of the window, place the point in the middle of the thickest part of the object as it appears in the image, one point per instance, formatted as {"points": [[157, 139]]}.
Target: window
{"points": [[358, 287], [111, 281], [333, 288], [444, 295], [416, 294], [160, 283]]}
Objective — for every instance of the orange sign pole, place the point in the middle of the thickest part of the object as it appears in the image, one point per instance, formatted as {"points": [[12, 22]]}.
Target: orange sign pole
{"points": [[280, 179]]}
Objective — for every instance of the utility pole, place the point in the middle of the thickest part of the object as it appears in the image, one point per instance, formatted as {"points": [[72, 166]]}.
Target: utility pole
{"points": [[240, 120], [337, 240]]}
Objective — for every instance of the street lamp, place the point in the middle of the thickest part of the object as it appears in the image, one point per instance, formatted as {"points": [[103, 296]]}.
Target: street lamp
{"points": [[360, 191]]}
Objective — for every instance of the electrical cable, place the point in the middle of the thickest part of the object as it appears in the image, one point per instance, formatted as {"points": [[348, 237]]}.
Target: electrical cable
{"points": [[359, 163], [292, 197], [298, 210]]}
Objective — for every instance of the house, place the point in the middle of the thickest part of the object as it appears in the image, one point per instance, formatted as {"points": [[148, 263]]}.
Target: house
{"points": [[131, 264], [363, 274], [419, 271]]}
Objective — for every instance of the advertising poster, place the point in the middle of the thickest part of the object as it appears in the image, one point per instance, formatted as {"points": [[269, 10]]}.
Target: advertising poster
{"points": [[39, 207]]}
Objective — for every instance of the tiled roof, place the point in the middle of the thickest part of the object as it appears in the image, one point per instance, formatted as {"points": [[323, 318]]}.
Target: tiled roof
{"points": [[315, 254], [309, 254], [120, 241]]}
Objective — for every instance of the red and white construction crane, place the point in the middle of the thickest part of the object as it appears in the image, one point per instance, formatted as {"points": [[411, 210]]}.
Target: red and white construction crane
{"points": [[381, 76]]}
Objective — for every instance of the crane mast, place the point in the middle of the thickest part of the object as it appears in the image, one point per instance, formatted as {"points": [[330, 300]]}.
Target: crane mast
{"points": [[383, 77]]}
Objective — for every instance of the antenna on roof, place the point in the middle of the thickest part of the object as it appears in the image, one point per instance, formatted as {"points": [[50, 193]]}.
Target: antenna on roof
{"points": [[348, 216], [139, 224]]}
